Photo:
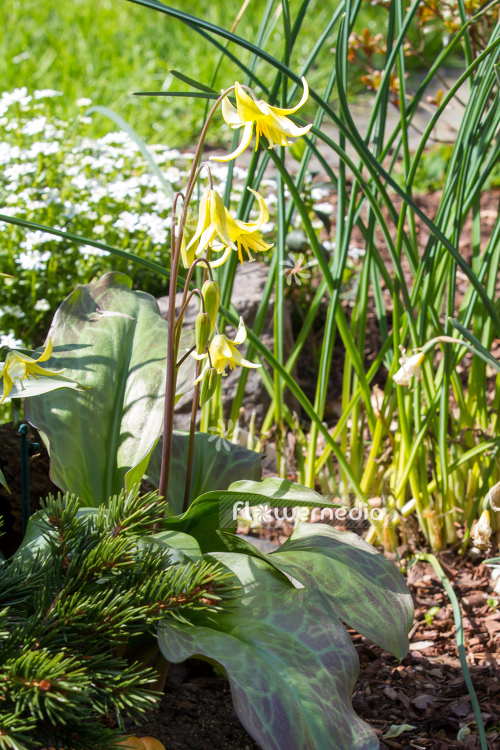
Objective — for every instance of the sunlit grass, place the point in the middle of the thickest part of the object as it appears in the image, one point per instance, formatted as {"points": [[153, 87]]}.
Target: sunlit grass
{"points": [[106, 50]]}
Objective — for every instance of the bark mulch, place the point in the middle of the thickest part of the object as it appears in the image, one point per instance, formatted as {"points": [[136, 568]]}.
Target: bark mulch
{"points": [[426, 691]]}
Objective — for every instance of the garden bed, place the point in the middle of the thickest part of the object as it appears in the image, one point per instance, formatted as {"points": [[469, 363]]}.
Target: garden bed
{"points": [[427, 690]]}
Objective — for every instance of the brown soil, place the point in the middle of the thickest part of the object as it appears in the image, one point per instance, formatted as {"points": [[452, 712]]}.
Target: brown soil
{"points": [[40, 484], [427, 690]]}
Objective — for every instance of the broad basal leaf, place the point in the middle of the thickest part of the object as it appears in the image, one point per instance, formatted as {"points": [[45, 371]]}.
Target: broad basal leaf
{"points": [[365, 589], [219, 509], [113, 340], [214, 467], [290, 663]]}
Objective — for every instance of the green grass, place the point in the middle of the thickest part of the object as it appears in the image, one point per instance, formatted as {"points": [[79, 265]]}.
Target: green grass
{"points": [[107, 49]]}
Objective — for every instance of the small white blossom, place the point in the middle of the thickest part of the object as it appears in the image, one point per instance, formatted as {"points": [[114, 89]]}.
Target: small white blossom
{"points": [[18, 96], [42, 305], [87, 251], [37, 237], [32, 127], [46, 93], [33, 260], [83, 102], [8, 339]]}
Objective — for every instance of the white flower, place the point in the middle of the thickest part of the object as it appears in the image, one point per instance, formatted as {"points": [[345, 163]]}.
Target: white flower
{"points": [[38, 238], [42, 305], [127, 221], [46, 93], [42, 147], [83, 102], [32, 127], [325, 208], [410, 366], [8, 339], [99, 229], [356, 252], [18, 96], [15, 310], [87, 251], [33, 260]]}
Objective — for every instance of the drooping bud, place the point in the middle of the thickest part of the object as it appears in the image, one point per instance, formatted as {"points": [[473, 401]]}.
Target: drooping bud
{"points": [[482, 531], [211, 297], [208, 385], [202, 331]]}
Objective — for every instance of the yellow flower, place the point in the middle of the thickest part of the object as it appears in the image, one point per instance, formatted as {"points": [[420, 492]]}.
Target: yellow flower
{"points": [[272, 122], [211, 223], [189, 230], [223, 352], [245, 233], [20, 367]]}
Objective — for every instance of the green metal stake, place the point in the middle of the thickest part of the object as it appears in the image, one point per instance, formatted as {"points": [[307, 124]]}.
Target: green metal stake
{"points": [[25, 477]]}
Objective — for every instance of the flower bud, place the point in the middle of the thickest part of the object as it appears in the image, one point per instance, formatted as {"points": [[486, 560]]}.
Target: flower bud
{"points": [[202, 331], [482, 531], [208, 385], [211, 296]]}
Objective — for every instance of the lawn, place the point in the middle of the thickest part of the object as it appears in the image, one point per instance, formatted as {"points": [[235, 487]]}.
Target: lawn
{"points": [[109, 49]]}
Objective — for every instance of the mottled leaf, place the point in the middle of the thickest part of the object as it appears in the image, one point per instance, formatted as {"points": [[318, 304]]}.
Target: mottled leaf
{"points": [[365, 589], [213, 469], [114, 340], [290, 663], [219, 509]]}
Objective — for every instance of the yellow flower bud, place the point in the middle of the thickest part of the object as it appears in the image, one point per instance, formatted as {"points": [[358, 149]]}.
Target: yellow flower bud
{"points": [[208, 385], [202, 331], [211, 297]]}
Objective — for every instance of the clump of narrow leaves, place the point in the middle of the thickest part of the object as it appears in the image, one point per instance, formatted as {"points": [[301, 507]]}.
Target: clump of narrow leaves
{"points": [[79, 606]]}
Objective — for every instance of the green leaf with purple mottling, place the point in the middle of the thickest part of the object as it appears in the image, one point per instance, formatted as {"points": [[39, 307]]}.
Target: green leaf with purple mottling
{"points": [[290, 663]]}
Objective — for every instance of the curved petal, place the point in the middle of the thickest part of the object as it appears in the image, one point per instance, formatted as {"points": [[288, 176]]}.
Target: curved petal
{"points": [[47, 352], [248, 109], [8, 384], [245, 140], [286, 127], [305, 96], [220, 261], [35, 369], [230, 113], [241, 333], [218, 218], [256, 243], [203, 218], [253, 226], [245, 363]]}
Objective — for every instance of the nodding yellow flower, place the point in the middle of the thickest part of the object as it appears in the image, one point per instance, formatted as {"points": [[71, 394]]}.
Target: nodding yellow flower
{"points": [[20, 367], [223, 352], [189, 230], [211, 223], [272, 122], [245, 234]]}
